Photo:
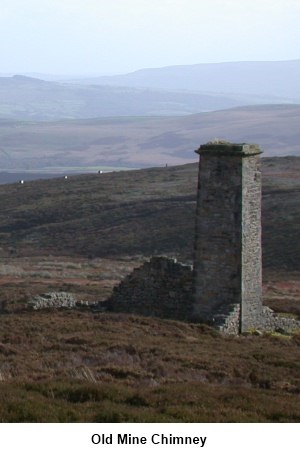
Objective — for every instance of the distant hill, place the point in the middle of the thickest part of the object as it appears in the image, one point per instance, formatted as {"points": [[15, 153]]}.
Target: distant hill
{"points": [[261, 78], [141, 212], [143, 142], [27, 98], [174, 90]]}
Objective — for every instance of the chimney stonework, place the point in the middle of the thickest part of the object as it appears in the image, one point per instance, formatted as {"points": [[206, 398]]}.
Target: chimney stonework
{"points": [[227, 256]]}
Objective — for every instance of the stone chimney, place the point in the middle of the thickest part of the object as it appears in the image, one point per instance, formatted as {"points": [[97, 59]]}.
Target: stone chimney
{"points": [[227, 258]]}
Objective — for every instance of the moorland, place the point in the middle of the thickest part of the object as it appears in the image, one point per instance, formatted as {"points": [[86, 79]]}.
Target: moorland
{"points": [[136, 142], [82, 235]]}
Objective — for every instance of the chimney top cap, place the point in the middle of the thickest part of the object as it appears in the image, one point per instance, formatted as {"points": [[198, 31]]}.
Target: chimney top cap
{"points": [[223, 147]]}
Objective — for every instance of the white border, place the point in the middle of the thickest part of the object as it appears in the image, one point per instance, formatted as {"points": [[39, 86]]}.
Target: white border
{"points": [[76, 438]]}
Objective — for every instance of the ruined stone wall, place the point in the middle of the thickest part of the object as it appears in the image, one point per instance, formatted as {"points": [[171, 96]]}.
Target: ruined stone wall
{"points": [[53, 300], [228, 323], [57, 300], [271, 322], [161, 288], [164, 288]]}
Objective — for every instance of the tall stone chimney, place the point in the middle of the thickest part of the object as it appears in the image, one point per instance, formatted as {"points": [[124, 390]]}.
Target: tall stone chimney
{"points": [[227, 260]]}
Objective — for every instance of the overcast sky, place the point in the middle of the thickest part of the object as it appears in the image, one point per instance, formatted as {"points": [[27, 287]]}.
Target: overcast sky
{"points": [[117, 36]]}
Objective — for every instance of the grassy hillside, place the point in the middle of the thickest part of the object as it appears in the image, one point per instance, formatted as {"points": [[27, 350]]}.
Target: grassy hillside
{"points": [[79, 367], [139, 141], [139, 212]]}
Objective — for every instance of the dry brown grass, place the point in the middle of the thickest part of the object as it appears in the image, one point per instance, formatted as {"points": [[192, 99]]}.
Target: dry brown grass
{"points": [[88, 279], [105, 367], [282, 292]]}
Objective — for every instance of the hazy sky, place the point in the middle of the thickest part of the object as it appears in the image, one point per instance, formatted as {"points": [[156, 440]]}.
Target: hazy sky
{"points": [[116, 36]]}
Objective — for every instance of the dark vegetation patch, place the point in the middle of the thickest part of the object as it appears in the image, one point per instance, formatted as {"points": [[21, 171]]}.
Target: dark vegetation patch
{"points": [[121, 368], [143, 212]]}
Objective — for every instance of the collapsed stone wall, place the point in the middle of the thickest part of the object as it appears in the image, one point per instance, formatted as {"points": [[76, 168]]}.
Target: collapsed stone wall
{"points": [[228, 322], [164, 288], [56, 300], [271, 322], [53, 300], [161, 287]]}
